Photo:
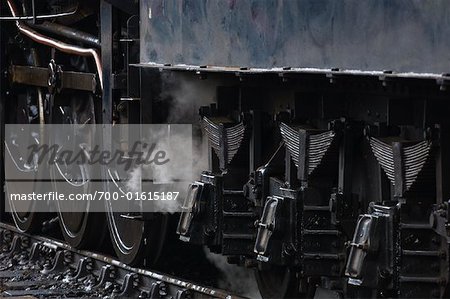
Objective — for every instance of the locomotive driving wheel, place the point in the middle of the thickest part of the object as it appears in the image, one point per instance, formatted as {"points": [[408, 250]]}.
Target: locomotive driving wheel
{"points": [[80, 225], [69, 178], [135, 241], [24, 106]]}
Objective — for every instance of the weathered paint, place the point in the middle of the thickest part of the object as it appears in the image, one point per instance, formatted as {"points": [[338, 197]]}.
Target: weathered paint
{"points": [[398, 35]]}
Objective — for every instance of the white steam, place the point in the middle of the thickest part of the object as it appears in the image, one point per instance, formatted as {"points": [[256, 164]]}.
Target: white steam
{"points": [[187, 150], [187, 94], [185, 162]]}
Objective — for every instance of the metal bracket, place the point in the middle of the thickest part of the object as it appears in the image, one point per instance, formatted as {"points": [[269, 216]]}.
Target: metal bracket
{"points": [[83, 268], [369, 239], [266, 227], [159, 290], [53, 78], [439, 220], [107, 273], [443, 82], [15, 246], [190, 208], [183, 294], [130, 282], [34, 252], [58, 263]]}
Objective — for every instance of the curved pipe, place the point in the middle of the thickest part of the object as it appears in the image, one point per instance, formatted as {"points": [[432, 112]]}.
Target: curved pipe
{"points": [[63, 47], [68, 32]]}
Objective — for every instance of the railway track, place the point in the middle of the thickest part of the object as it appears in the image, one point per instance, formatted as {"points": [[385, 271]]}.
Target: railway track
{"points": [[38, 266]]}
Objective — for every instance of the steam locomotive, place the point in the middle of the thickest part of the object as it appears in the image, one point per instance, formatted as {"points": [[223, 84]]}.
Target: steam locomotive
{"points": [[326, 123]]}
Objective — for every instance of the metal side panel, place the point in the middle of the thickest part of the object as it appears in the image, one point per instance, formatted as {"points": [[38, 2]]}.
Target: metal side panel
{"points": [[369, 35]]}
